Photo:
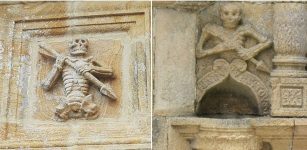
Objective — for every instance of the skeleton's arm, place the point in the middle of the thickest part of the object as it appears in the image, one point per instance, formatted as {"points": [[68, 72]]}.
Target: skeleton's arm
{"points": [[54, 74], [103, 71], [205, 36], [251, 32], [51, 78], [263, 42]]}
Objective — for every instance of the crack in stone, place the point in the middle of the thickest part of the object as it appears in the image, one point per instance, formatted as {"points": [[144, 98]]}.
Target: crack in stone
{"points": [[292, 138]]}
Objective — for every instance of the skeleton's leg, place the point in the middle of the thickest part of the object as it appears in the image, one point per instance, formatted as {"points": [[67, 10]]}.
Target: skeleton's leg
{"points": [[90, 108], [62, 112]]}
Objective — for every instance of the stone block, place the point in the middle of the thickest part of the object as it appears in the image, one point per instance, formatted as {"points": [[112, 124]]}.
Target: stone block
{"points": [[174, 62], [159, 133], [289, 97]]}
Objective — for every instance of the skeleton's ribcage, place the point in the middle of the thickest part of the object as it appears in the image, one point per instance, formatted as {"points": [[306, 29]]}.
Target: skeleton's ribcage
{"points": [[75, 84]]}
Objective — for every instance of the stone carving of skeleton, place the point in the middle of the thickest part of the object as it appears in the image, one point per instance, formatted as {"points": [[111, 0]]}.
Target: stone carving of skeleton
{"points": [[231, 37], [77, 70]]}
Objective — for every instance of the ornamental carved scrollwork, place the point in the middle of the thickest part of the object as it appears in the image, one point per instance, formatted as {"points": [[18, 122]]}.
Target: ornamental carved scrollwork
{"points": [[237, 71]]}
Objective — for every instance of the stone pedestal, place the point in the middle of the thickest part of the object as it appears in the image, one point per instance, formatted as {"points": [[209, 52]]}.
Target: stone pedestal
{"points": [[289, 77], [289, 31], [239, 134]]}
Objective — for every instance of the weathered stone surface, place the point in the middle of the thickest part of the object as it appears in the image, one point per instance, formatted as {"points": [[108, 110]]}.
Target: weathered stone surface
{"points": [[174, 45], [250, 66], [289, 97], [159, 133], [269, 133], [248, 133], [289, 32], [226, 59], [118, 37], [289, 76]]}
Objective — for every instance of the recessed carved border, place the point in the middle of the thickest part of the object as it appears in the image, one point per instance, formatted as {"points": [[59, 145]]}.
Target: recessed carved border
{"points": [[278, 87], [292, 96], [132, 22]]}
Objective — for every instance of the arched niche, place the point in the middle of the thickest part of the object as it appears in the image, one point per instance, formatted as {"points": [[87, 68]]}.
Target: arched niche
{"points": [[230, 85], [230, 98]]}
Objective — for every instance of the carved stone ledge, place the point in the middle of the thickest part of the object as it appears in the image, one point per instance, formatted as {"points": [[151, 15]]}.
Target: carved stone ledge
{"points": [[182, 5], [241, 134]]}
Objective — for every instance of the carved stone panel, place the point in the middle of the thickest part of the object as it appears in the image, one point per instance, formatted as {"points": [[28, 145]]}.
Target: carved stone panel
{"points": [[250, 66], [227, 62], [292, 96], [77, 75], [289, 97], [67, 96]]}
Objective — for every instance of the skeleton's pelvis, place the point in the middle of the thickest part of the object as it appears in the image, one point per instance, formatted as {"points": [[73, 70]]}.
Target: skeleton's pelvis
{"points": [[77, 107]]}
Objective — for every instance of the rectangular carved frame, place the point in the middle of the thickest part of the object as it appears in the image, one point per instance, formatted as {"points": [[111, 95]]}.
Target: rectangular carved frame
{"points": [[128, 131]]}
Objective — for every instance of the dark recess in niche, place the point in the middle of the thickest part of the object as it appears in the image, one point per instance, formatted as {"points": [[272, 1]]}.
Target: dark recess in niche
{"points": [[228, 99]]}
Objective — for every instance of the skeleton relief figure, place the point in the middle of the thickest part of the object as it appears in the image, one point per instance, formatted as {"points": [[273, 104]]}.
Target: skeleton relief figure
{"points": [[78, 72], [232, 36]]}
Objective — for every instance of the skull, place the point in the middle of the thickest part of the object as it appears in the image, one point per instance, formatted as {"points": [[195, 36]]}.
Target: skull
{"points": [[78, 47], [230, 15]]}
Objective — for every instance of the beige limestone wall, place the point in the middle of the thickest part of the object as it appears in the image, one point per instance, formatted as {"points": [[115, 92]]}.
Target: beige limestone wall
{"points": [[172, 47], [177, 27], [174, 44], [118, 35], [119, 38]]}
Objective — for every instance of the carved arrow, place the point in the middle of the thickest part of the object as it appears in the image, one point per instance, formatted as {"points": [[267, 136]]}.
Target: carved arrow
{"points": [[260, 65]]}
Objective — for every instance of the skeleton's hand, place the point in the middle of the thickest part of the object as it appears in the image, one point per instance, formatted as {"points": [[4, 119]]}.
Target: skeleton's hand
{"points": [[82, 69], [245, 54], [45, 84], [59, 63]]}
